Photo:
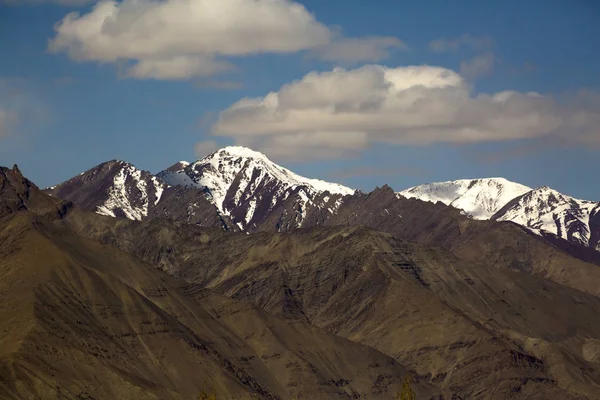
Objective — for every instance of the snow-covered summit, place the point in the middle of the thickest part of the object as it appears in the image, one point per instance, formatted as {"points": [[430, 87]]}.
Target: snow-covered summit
{"points": [[540, 210], [235, 158], [545, 209], [480, 198], [237, 178]]}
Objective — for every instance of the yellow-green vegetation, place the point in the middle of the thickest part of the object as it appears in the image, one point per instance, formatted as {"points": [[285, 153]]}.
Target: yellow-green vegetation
{"points": [[407, 392]]}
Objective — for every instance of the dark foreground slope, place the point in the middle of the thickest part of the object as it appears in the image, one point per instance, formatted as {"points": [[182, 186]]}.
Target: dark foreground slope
{"points": [[80, 319]]}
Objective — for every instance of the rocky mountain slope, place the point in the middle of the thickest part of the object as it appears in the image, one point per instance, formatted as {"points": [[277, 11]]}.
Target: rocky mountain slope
{"points": [[83, 319], [114, 188], [119, 189]]}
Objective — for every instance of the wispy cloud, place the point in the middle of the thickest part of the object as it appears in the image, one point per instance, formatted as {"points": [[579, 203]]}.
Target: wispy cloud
{"points": [[466, 40], [479, 66], [182, 39]]}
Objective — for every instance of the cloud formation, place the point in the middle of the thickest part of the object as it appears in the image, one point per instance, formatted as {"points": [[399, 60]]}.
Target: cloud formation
{"points": [[466, 40], [180, 39], [341, 112], [478, 66]]}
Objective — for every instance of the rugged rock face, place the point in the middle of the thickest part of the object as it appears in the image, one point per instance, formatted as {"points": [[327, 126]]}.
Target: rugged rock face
{"points": [[190, 205], [18, 193]]}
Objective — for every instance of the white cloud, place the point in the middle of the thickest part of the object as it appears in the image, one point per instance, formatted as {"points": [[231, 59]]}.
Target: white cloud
{"points": [[179, 39], [333, 114], [478, 66], [202, 149], [443, 45]]}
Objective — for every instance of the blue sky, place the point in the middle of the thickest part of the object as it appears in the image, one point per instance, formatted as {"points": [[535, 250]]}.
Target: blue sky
{"points": [[70, 100]]}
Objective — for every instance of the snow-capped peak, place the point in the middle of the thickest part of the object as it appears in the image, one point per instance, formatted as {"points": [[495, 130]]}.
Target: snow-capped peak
{"points": [[480, 198], [237, 177], [545, 209], [542, 209], [114, 188], [239, 151]]}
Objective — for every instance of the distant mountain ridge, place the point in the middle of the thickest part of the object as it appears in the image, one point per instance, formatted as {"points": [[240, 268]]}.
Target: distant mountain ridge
{"points": [[539, 210], [239, 189]]}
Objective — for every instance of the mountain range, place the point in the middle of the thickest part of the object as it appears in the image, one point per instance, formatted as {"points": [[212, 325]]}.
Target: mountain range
{"points": [[242, 190], [121, 285]]}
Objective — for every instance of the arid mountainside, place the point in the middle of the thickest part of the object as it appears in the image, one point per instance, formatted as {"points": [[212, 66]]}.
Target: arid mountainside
{"points": [[81, 319], [467, 328], [495, 244]]}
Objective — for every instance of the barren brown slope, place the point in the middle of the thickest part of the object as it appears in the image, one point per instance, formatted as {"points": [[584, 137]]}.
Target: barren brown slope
{"points": [[84, 320], [498, 245], [481, 332]]}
